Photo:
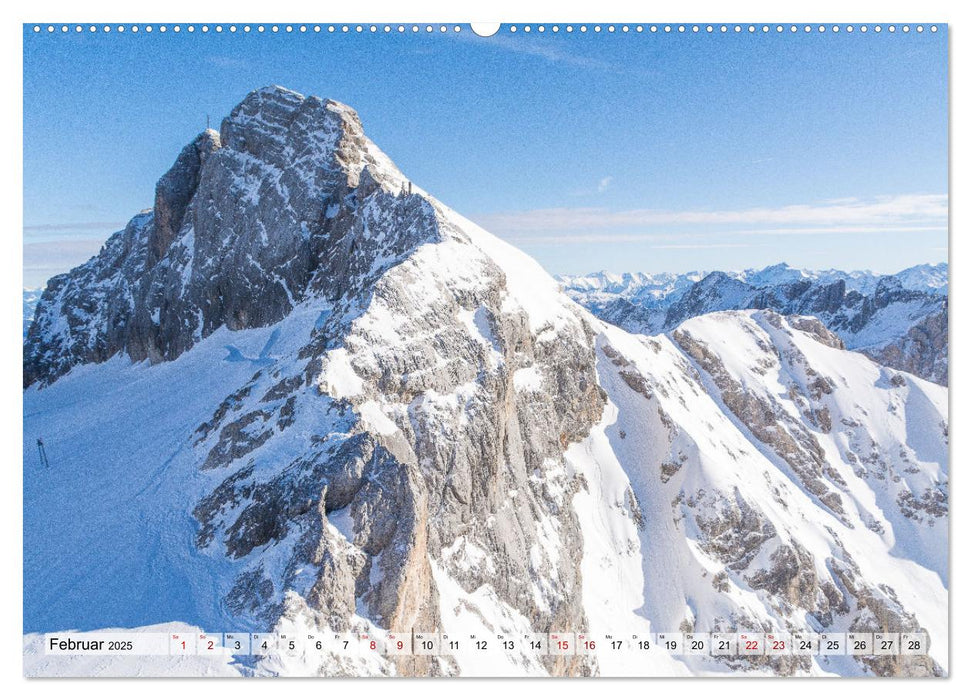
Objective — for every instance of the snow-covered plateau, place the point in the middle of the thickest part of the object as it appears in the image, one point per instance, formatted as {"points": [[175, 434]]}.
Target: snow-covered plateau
{"points": [[301, 394]]}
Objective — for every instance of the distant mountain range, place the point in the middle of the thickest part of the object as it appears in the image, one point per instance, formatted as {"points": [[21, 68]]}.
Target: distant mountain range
{"points": [[898, 320], [31, 297]]}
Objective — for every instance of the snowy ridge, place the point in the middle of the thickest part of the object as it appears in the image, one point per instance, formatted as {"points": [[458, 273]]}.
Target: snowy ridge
{"points": [[430, 435], [899, 320]]}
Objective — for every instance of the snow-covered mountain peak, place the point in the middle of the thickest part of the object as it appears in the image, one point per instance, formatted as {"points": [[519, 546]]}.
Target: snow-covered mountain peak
{"points": [[289, 200], [774, 274], [926, 276]]}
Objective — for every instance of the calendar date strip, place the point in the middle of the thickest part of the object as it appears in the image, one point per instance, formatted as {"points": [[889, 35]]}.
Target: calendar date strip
{"points": [[449, 644]]}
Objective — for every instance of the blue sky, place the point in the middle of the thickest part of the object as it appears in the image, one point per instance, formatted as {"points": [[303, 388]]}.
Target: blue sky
{"points": [[638, 151]]}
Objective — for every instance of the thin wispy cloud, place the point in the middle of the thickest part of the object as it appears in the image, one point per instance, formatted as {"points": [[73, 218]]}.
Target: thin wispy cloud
{"points": [[228, 62], [702, 246], [74, 226], [902, 213], [599, 187], [659, 241], [815, 230], [539, 47], [42, 260], [581, 238]]}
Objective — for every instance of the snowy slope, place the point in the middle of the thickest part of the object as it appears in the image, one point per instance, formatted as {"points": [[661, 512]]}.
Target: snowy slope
{"points": [[430, 435]]}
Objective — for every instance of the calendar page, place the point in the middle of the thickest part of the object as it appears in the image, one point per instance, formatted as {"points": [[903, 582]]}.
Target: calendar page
{"points": [[512, 350]]}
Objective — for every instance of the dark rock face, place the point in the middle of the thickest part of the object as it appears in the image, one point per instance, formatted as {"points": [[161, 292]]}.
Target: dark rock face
{"points": [[175, 190], [922, 351], [63, 333]]}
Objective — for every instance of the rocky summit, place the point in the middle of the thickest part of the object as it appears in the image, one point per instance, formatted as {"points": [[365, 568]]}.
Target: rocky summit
{"points": [[301, 393]]}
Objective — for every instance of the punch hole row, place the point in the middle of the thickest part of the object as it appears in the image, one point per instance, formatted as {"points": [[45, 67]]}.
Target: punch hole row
{"points": [[512, 29], [247, 28], [723, 28]]}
